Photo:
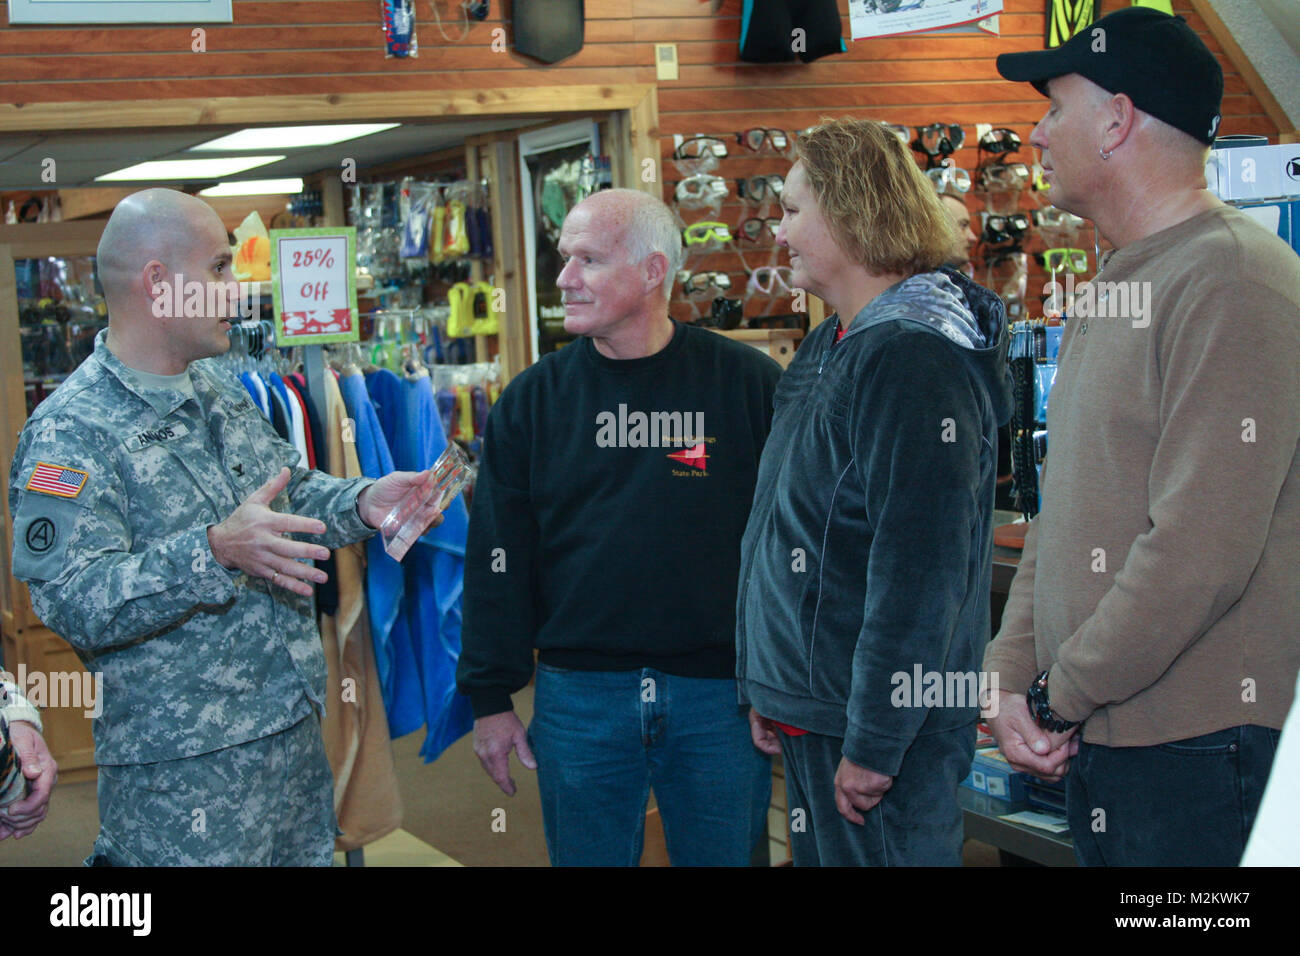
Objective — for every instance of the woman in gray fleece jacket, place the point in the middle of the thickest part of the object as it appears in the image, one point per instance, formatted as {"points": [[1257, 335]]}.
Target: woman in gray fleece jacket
{"points": [[863, 606]]}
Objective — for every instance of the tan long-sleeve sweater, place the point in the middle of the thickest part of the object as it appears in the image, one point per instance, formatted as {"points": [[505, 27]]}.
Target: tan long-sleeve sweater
{"points": [[1161, 581]]}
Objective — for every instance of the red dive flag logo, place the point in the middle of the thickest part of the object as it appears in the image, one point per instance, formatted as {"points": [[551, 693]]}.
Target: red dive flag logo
{"points": [[693, 456]]}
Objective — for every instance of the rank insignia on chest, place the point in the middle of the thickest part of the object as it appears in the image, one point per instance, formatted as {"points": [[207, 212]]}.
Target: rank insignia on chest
{"points": [[57, 480]]}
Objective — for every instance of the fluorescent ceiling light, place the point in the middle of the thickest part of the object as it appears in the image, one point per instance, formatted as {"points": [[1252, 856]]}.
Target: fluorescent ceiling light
{"points": [[292, 137], [254, 187], [188, 168]]}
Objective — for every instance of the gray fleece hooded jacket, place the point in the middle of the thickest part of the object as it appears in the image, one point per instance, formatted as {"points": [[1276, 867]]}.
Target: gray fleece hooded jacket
{"points": [[868, 550]]}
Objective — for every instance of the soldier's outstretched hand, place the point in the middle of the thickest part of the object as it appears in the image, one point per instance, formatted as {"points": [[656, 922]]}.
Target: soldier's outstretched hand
{"points": [[252, 540], [377, 500]]}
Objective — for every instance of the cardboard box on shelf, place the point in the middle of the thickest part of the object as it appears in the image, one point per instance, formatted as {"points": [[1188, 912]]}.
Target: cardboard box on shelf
{"points": [[1250, 173], [991, 774]]}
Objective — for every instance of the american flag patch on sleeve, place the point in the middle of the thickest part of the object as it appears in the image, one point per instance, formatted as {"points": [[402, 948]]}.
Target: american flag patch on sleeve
{"points": [[57, 480]]}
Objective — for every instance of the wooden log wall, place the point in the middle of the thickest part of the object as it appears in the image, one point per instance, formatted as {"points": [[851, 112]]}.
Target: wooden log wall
{"points": [[336, 46]]}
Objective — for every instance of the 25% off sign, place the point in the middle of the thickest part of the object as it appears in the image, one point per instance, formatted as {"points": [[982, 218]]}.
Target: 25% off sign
{"points": [[314, 285]]}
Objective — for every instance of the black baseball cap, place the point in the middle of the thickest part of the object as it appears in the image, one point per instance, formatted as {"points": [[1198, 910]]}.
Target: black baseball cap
{"points": [[1156, 59]]}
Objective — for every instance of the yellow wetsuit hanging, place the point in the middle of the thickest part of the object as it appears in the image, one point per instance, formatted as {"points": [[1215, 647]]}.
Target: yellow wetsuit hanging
{"points": [[1065, 18]]}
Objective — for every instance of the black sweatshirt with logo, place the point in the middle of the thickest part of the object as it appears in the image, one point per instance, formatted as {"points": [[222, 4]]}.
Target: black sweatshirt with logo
{"points": [[607, 516]]}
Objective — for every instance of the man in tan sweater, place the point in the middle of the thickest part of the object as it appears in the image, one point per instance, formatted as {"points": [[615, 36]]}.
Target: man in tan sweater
{"points": [[1157, 605]]}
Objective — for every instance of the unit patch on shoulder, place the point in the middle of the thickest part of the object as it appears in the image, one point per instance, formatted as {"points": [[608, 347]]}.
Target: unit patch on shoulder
{"points": [[41, 535], [57, 480]]}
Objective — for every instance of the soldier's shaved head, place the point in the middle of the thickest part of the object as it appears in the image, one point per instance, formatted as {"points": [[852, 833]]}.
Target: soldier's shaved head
{"points": [[160, 224]]}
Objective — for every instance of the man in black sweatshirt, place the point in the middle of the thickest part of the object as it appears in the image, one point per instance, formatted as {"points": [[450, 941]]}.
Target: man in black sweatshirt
{"points": [[616, 480]]}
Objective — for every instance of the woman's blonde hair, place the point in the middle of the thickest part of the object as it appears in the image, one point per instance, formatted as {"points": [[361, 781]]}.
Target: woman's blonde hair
{"points": [[882, 210]]}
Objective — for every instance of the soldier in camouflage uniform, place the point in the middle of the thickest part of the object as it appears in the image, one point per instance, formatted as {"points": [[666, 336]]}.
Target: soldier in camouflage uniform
{"points": [[164, 530]]}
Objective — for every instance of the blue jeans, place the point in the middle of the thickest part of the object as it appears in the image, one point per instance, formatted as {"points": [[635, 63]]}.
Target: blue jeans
{"points": [[602, 739], [1185, 803]]}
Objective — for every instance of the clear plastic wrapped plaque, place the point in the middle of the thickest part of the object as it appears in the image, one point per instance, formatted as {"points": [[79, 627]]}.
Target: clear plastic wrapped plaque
{"points": [[410, 518]]}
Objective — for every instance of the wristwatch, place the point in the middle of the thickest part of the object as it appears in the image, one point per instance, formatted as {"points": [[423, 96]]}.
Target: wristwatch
{"points": [[1042, 711]]}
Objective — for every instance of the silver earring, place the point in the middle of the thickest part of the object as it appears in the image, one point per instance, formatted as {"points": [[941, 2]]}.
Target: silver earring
{"points": [[1104, 154]]}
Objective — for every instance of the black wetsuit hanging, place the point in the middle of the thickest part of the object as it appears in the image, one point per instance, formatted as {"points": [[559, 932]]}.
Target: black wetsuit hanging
{"points": [[548, 30], [767, 30]]}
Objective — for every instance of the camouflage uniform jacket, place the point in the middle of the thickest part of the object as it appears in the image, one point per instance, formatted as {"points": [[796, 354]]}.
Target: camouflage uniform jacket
{"points": [[112, 490]]}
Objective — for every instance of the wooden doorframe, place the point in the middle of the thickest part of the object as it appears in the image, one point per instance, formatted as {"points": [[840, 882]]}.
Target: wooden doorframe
{"points": [[639, 100]]}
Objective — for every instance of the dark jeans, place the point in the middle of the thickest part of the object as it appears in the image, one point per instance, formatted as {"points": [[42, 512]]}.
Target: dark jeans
{"points": [[917, 823], [603, 739], [1185, 803]]}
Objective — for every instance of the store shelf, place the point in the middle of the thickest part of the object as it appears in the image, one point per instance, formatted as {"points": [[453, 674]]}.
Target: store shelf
{"points": [[981, 817], [778, 343]]}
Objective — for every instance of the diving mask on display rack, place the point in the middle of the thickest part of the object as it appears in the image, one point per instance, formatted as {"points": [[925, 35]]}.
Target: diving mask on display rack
{"points": [[700, 191], [698, 154], [760, 190], [705, 234], [1004, 228], [947, 178], [938, 141], [755, 229], [763, 140], [695, 283], [771, 281]]}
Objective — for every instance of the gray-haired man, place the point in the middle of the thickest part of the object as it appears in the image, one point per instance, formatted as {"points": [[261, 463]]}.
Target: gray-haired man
{"points": [[605, 531]]}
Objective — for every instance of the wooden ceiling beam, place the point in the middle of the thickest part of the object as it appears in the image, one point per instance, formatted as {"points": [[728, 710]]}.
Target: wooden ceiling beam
{"points": [[402, 105], [1232, 49]]}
